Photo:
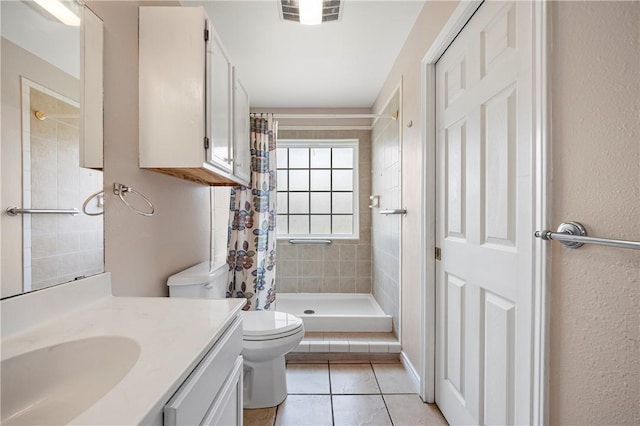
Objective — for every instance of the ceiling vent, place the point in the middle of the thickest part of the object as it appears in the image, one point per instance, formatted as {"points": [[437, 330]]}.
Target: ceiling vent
{"points": [[331, 10]]}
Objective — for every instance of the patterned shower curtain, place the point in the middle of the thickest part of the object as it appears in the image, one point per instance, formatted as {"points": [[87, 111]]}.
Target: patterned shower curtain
{"points": [[252, 222]]}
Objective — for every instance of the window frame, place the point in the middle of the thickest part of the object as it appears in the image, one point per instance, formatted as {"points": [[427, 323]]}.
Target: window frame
{"points": [[325, 143]]}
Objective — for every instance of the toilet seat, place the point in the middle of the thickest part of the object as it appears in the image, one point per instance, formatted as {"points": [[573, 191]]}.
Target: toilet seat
{"points": [[269, 325]]}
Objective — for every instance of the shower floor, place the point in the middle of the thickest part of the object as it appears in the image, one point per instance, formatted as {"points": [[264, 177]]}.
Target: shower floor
{"points": [[330, 312]]}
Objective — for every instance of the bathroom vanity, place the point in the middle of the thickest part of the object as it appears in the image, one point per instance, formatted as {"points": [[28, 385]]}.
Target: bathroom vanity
{"points": [[99, 359]]}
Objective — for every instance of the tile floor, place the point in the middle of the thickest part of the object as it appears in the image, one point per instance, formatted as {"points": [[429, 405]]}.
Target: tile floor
{"points": [[349, 394]]}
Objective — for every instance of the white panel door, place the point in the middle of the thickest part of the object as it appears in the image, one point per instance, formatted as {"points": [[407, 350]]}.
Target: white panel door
{"points": [[484, 219]]}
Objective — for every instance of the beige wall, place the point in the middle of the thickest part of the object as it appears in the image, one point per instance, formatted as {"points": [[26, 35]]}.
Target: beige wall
{"points": [[407, 69], [345, 265], [22, 63], [595, 291], [142, 252]]}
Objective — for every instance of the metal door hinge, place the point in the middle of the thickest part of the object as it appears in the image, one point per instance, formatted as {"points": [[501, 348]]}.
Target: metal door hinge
{"points": [[206, 142], [438, 253], [206, 34]]}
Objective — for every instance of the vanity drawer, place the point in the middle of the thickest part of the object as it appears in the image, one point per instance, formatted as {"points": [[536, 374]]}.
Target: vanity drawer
{"points": [[191, 402]]}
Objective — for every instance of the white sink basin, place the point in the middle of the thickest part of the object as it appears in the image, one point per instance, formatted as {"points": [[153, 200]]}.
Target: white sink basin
{"points": [[53, 385]]}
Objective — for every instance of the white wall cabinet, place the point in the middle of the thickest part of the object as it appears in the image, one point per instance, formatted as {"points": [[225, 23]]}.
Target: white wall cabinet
{"points": [[186, 98], [91, 94]]}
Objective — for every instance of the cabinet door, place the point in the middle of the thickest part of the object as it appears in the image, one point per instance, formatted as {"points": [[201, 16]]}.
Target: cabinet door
{"points": [[226, 410], [172, 89], [193, 400], [241, 131], [219, 112], [91, 73]]}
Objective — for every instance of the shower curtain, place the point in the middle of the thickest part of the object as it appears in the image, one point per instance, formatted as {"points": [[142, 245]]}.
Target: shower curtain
{"points": [[251, 243]]}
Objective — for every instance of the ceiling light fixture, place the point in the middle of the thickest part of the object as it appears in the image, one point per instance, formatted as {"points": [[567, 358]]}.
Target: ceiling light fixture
{"points": [[60, 11], [310, 12]]}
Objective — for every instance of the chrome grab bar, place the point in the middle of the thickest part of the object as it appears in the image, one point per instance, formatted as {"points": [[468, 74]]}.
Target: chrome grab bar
{"points": [[15, 211], [574, 235], [309, 241], [393, 211]]}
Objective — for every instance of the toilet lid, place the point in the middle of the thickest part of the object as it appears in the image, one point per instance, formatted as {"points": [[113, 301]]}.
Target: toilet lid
{"points": [[268, 323]]}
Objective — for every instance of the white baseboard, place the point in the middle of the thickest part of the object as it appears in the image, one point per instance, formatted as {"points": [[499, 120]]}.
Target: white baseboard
{"points": [[412, 371]]}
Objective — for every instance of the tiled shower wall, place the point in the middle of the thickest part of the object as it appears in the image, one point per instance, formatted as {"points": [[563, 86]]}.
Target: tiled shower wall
{"points": [[386, 228], [345, 265], [58, 248]]}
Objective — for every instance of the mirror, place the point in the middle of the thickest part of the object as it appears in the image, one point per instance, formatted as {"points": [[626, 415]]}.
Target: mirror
{"points": [[51, 80]]}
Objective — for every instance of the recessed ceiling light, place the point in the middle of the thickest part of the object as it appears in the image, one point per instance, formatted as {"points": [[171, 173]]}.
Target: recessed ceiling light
{"points": [[294, 10], [310, 12], [60, 11]]}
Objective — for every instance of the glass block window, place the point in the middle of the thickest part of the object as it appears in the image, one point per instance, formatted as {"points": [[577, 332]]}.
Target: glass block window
{"points": [[317, 189]]}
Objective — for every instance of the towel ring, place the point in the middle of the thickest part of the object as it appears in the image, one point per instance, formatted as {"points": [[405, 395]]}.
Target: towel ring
{"points": [[98, 195], [120, 189]]}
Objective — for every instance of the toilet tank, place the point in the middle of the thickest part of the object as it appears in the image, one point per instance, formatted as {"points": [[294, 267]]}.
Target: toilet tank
{"points": [[201, 280]]}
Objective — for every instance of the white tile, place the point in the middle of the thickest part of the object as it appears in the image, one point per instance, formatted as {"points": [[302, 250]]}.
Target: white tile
{"points": [[378, 347], [44, 245], [358, 347], [26, 148], [395, 348], [26, 204], [27, 277], [318, 346], [69, 264], [26, 179], [338, 346], [68, 242], [26, 232], [302, 347]]}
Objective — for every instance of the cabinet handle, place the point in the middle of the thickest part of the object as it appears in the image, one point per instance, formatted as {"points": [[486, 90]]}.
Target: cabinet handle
{"points": [[228, 160]]}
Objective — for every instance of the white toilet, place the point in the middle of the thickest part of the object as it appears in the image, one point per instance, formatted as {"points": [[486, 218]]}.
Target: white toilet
{"points": [[267, 335]]}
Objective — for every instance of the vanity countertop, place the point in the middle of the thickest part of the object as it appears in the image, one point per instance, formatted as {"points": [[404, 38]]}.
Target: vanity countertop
{"points": [[174, 334]]}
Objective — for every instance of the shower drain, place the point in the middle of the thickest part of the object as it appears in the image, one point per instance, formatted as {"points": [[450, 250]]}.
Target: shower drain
{"points": [[309, 311]]}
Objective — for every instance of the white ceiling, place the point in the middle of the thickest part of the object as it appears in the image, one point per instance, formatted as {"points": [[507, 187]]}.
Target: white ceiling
{"points": [[334, 65]]}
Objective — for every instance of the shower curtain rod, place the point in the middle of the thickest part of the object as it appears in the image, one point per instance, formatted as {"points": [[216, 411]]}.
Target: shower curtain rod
{"points": [[393, 116]]}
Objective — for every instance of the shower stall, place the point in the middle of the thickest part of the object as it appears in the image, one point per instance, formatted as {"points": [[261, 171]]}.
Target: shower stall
{"points": [[352, 285]]}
